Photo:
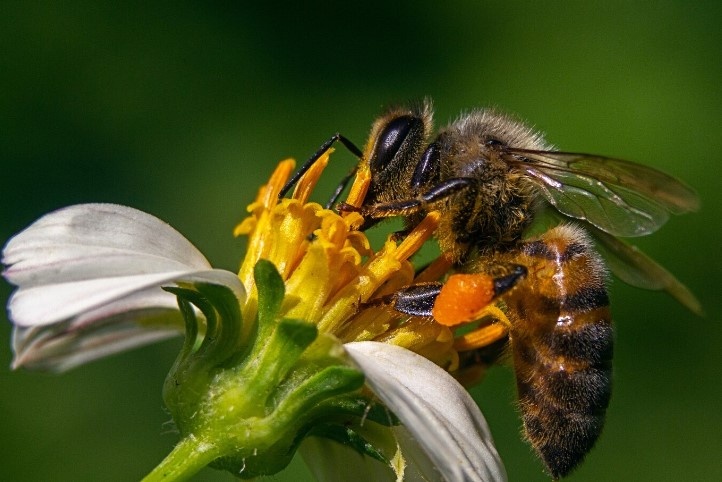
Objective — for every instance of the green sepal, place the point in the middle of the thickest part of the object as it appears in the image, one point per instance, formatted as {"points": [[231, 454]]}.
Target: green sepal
{"points": [[360, 406], [308, 396], [269, 363], [270, 292], [253, 392], [291, 420], [350, 438], [225, 340], [209, 342]]}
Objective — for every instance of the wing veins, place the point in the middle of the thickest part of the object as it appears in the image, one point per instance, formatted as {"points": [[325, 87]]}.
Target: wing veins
{"points": [[646, 182]]}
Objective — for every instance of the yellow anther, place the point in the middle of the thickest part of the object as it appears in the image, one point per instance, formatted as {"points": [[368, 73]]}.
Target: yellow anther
{"points": [[485, 335], [416, 238], [436, 270], [269, 193], [308, 182], [360, 187]]}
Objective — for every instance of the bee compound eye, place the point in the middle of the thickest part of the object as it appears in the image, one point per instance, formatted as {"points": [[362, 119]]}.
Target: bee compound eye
{"points": [[428, 169], [391, 140]]}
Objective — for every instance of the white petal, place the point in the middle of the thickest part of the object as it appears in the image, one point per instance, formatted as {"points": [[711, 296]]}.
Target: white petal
{"points": [[89, 241], [60, 347], [142, 317], [89, 283], [51, 303], [436, 410]]}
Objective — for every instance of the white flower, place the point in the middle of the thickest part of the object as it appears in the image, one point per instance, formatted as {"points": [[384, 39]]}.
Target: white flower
{"points": [[89, 279], [89, 283]]}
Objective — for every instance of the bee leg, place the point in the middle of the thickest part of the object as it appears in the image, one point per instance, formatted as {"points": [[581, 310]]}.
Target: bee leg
{"points": [[466, 297], [398, 236], [450, 301], [414, 300], [445, 189], [408, 207], [345, 207], [321, 150], [341, 186]]}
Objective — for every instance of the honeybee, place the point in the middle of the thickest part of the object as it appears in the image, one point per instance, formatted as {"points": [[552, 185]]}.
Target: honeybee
{"points": [[491, 177]]}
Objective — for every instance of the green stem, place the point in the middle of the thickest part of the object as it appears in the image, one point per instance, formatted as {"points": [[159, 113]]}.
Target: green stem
{"points": [[188, 457]]}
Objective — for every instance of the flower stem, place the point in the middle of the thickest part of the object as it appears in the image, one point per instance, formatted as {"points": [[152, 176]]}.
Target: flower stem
{"points": [[189, 456]]}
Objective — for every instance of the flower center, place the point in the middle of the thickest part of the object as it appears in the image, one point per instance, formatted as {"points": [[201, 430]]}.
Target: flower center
{"points": [[333, 277]]}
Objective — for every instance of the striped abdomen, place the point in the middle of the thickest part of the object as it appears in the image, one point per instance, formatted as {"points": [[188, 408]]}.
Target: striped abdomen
{"points": [[561, 337]]}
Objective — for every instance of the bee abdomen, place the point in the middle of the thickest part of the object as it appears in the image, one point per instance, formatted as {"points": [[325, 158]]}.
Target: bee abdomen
{"points": [[565, 394], [562, 341]]}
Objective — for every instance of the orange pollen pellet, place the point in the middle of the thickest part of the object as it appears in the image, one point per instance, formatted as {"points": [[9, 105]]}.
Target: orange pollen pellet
{"points": [[462, 298]]}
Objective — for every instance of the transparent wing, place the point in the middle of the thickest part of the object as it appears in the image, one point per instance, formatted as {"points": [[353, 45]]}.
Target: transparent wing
{"points": [[626, 262], [637, 269], [618, 197]]}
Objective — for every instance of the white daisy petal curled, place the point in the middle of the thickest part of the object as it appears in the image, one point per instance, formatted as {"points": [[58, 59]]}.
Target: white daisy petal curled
{"points": [[89, 283], [435, 409]]}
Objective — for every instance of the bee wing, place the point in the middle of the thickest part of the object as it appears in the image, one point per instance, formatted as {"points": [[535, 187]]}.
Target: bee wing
{"points": [[634, 267], [619, 197]]}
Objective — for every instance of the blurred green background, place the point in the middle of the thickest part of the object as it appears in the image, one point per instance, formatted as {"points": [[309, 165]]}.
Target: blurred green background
{"points": [[181, 110]]}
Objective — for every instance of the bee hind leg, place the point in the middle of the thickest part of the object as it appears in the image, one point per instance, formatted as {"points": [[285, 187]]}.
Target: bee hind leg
{"points": [[465, 297], [449, 304], [414, 300]]}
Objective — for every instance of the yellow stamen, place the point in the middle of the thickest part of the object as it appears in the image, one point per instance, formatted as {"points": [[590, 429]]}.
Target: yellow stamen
{"points": [[481, 337], [390, 261], [416, 238], [308, 181], [360, 186], [330, 271], [368, 324], [425, 337], [269, 193], [267, 196], [436, 270]]}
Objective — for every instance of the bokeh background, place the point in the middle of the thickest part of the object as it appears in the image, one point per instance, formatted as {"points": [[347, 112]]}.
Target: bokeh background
{"points": [[181, 110]]}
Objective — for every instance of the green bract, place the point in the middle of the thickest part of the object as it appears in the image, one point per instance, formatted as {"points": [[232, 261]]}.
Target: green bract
{"points": [[244, 397]]}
